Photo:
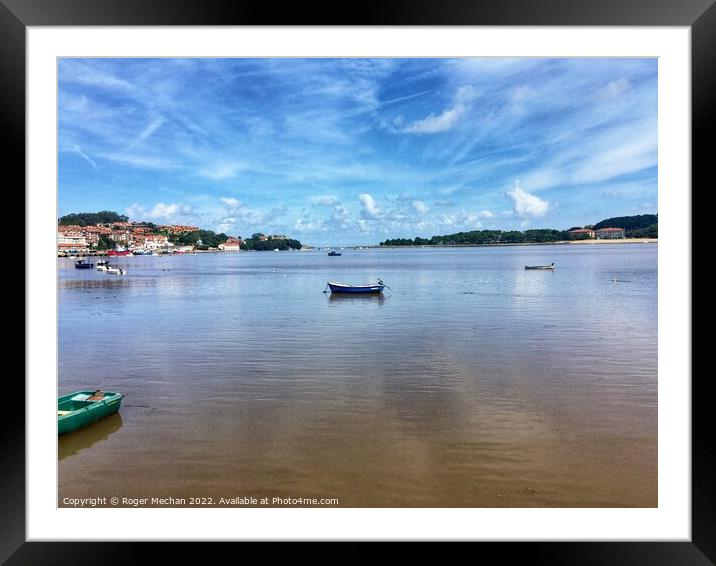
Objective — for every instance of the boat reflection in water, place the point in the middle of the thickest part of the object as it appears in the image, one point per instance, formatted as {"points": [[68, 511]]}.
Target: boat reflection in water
{"points": [[377, 298], [77, 441]]}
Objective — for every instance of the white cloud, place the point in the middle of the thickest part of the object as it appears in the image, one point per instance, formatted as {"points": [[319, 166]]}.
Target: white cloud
{"points": [[525, 204], [237, 212], [230, 201], [461, 220], [370, 208], [324, 200], [449, 118], [434, 124], [159, 211], [420, 206], [226, 225]]}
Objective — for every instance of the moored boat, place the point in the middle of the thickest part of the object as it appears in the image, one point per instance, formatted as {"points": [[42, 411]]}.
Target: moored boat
{"points": [[540, 266], [116, 270], [81, 408], [334, 253], [83, 264], [356, 289]]}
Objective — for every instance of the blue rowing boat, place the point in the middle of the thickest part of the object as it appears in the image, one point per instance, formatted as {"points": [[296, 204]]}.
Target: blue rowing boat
{"points": [[356, 289]]}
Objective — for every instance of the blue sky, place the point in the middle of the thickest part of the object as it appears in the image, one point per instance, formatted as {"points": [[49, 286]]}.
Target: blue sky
{"points": [[354, 151]]}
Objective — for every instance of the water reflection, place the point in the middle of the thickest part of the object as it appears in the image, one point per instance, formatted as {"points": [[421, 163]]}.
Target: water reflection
{"points": [[73, 443], [378, 298]]}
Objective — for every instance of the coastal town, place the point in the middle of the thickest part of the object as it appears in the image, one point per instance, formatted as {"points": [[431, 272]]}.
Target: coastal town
{"points": [[130, 237], [122, 237]]}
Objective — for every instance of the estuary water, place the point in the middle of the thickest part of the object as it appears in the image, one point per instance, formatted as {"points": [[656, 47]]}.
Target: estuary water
{"points": [[471, 382]]}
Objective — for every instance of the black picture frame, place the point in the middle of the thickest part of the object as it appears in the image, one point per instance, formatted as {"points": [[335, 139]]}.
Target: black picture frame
{"points": [[699, 15]]}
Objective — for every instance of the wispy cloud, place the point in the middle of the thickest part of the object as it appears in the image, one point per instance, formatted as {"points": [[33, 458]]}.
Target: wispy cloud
{"points": [[152, 127], [448, 118], [222, 170], [74, 148]]}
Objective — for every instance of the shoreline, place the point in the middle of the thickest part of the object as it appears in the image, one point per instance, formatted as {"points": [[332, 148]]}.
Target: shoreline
{"points": [[378, 247], [557, 243]]}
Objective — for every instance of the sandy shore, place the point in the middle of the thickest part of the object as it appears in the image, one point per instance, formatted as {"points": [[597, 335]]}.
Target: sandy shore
{"points": [[620, 241], [560, 242]]}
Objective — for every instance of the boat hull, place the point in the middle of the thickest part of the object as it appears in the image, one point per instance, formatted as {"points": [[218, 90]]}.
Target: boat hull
{"points": [[356, 290], [75, 412]]}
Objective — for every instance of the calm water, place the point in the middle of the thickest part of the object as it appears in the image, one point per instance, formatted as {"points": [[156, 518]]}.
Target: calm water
{"points": [[472, 382]]}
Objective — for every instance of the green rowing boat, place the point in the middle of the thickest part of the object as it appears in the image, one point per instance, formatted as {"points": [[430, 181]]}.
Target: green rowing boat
{"points": [[82, 408]]}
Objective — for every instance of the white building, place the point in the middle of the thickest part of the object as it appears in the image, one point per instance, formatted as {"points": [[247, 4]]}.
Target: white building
{"points": [[609, 233], [68, 242], [156, 241], [231, 245]]}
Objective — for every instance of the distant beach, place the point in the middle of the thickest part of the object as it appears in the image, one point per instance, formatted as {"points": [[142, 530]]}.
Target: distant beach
{"points": [[615, 241]]}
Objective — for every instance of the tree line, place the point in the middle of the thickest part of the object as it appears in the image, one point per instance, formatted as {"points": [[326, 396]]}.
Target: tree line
{"points": [[92, 218], [255, 243], [483, 237], [641, 226]]}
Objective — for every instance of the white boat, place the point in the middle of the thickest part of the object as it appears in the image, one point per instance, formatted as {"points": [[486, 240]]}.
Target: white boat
{"points": [[102, 267], [116, 270]]}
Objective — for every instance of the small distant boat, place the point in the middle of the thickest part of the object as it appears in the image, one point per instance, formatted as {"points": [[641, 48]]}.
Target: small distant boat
{"points": [[540, 266], [102, 267], [82, 264], [102, 262], [334, 253], [82, 408], [355, 289], [275, 249], [116, 270]]}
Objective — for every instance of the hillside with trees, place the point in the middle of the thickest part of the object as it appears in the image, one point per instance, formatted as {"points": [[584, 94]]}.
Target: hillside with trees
{"points": [[92, 218], [477, 237], [640, 226], [256, 244]]}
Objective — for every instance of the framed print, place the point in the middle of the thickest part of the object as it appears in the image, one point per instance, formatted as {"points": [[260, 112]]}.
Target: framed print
{"points": [[396, 278]]}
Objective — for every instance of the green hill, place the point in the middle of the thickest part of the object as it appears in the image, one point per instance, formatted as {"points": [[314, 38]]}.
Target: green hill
{"points": [[640, 226], [92, 218], [629, 222]]}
